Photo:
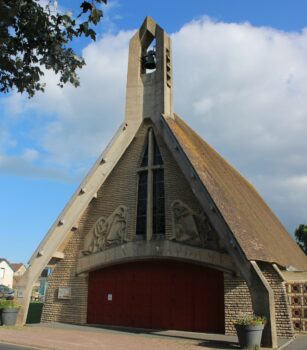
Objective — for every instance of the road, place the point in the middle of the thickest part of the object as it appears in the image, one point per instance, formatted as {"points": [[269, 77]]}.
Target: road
{"points": [[300, 343]]}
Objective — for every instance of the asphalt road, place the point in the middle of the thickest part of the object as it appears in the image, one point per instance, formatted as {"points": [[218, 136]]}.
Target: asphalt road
{"points": [[4, 346], [300, 343]]}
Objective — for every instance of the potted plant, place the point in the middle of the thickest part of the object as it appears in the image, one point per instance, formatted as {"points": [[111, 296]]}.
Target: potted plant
{"points": [[249, 330], [8, 310]]}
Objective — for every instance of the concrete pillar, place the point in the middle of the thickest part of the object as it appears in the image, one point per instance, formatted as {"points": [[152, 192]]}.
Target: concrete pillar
{"points": [[263, 305]]}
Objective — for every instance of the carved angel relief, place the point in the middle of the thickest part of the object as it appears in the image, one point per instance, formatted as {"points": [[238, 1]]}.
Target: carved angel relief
{"points": [[191, 227], [107, 231]]}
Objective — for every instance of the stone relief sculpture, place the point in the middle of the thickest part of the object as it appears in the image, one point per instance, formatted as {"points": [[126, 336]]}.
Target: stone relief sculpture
{"points": [[184, 223], [191, 227], [107, 231]]}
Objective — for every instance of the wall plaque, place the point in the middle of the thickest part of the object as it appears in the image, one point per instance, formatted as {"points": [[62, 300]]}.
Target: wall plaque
{"points": [[20, 293], [64, 293]]}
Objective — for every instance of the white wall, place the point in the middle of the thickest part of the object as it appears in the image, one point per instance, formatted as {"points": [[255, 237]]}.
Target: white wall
{"points": [[6, 274]]}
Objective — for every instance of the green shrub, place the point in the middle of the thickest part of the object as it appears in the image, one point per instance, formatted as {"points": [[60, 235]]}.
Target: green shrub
{"points": [[8, 304], [251, 320]]}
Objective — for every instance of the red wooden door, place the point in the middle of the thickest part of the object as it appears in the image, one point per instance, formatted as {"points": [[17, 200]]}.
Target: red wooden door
{"points": [[157, 295]]}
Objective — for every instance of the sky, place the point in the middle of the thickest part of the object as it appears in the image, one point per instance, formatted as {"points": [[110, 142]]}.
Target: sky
{"points": [[240, 80]]}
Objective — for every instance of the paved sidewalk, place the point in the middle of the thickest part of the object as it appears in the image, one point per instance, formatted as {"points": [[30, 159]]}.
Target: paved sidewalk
{"points": [[65, 337], [59, 336]]}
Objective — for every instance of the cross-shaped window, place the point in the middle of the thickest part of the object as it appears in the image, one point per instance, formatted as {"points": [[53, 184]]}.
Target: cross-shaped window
{"points": [[151, 204]]}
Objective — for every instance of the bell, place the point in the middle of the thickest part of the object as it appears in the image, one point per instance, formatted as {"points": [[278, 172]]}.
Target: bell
{"points": [[150, 60]]}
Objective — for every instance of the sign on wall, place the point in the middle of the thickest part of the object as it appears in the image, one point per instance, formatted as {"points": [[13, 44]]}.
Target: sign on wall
{"points": [[64, 292], [20, 293]]}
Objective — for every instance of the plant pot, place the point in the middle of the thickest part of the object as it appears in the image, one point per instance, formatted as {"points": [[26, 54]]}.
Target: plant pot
{"points": [[9, 316], [249, 336]]}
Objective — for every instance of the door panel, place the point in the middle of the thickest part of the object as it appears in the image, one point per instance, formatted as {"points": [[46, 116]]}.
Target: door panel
{"points": [[157, 295]]}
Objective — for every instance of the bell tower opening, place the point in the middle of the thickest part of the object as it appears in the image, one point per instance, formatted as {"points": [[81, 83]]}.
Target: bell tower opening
{"points": [[149, 59]]}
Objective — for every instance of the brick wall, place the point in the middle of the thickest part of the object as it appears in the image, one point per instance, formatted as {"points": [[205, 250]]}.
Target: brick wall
{"points": [[282, 309], [72, 310], [120, 188], [237, 301]]}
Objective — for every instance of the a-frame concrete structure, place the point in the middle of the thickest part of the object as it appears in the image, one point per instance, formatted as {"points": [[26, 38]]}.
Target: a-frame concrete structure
{"points": [[234, 231]]}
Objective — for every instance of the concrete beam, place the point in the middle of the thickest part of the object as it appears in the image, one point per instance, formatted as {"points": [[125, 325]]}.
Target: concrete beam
{"points": [[164, 249], [263, 302], [58, 255]]}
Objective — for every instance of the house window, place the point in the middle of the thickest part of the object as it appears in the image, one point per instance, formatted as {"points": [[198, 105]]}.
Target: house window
{"points": [[151, 202]]}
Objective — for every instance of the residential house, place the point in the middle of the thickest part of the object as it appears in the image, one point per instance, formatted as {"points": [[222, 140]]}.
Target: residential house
{"points": [[19, 270], [6, 273]]}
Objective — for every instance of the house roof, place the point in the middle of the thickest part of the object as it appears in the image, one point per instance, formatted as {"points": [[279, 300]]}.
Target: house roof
{"points": [[257, 230], [10, 265], [16, 266]]}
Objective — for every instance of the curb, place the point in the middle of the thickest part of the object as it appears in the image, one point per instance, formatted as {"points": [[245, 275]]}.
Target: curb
{"points": [[286, 344]]}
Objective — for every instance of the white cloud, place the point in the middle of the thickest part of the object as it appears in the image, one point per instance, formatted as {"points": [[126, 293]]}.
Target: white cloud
{"points": [[30, 154], [243, 88], [6, 140], [22, 165], [245, 92], [84, 119]]}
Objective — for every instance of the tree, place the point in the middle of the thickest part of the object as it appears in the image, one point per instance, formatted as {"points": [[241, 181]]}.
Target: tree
{"points": [[33, 36], [301, 237]]}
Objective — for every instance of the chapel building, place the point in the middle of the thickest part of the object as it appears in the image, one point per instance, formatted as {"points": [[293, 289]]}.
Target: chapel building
{"points": [[163, 233]]}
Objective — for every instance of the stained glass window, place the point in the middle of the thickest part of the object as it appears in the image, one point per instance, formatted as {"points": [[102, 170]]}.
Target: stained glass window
{"points": [[157, 158], [158, 224], [142, 204], [145, 157], [151, 163]]}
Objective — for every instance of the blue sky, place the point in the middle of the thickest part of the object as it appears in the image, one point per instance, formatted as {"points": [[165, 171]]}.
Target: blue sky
{"points": [[244, 92]]}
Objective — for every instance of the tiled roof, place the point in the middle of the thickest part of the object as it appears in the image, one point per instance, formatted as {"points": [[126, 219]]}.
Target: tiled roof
{"points": [[17, 266], [257, 230], [10, 265]]}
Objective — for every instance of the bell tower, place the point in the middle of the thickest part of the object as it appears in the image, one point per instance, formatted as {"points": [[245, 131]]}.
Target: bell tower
{"points": [[149, 81]]}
